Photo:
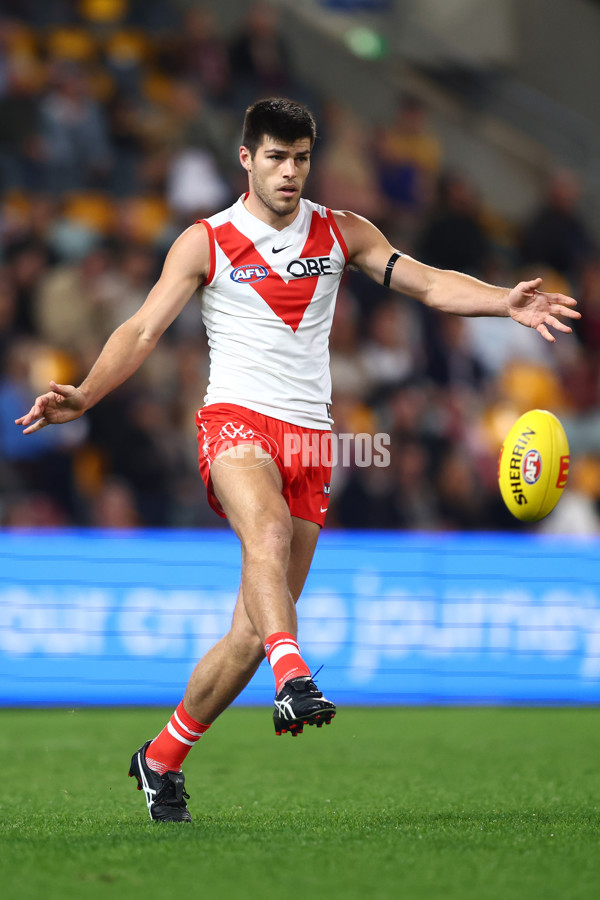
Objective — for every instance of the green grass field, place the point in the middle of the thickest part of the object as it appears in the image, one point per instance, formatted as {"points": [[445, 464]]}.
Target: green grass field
{"points": [[385, 803]]}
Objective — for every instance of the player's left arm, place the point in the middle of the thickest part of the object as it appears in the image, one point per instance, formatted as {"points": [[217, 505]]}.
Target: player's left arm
{"points": [[449, 291]]}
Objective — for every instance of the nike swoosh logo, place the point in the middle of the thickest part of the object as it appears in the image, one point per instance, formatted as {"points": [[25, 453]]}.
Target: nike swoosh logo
{"points": [[273, 250], [324, 508]]}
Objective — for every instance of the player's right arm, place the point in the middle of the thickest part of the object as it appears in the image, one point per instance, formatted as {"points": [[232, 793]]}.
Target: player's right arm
{"points": [[184, 270]]}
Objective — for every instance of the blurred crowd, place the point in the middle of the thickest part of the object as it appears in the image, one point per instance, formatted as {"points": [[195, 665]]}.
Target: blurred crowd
{"points": [[120, 123]]}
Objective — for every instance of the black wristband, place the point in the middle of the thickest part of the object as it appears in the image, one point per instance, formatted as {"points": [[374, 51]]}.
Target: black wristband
{"points": [[387, 277]]}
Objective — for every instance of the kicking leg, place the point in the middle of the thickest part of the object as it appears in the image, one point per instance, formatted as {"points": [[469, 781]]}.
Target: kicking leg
{"points": [[250, 493], [228, 666]]}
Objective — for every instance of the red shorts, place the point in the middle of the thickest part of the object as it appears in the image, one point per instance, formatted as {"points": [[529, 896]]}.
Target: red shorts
{"points": [[302, 455]]}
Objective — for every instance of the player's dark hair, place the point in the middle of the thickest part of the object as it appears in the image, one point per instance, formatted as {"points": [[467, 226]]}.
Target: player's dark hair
{"points": [[278, 118]]}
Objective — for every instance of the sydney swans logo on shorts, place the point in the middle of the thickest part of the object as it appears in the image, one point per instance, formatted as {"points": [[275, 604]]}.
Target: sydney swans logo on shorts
{"points": [[236, 440], [249, 274]]}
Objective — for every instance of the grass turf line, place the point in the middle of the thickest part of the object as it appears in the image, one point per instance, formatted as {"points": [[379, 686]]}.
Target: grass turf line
{"points": [[384, 803]]}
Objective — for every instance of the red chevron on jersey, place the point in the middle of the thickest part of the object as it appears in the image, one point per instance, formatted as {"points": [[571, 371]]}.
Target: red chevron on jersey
{"points": [[288, 300]]}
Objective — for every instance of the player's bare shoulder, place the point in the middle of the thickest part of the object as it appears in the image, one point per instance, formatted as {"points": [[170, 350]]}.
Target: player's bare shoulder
{"points": [[191, 252], [360, 235]]}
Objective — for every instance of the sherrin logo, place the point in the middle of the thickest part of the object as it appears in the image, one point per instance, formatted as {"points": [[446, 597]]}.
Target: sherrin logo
{"points": [[532, 466], [249, 274]]}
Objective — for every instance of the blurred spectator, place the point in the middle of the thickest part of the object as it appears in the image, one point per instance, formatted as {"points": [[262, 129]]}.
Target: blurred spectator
{"points": [[42, 466], [125, 125], [135, 432], [114, 507], [453, 236], [557, 235], [345, 176], [40, 214], [69, 312], [461, 502], [202, 55], [126, 53], [8, 316], [27, 262], [588, 327], [414, 500], [392, 352], [123, 287], [409, 411], [260, 61], [197, 123], [581, 373], [409, 158], [451, 361], [20, 143], [349, 375], [195, 186], [73, 130]]}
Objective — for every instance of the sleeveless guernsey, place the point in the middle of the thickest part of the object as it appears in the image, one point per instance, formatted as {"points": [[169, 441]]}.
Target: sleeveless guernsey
{"points": [[267, 306]]}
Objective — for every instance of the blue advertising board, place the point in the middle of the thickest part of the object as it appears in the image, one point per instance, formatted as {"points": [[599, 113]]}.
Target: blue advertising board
{"points": [[112, 618]]}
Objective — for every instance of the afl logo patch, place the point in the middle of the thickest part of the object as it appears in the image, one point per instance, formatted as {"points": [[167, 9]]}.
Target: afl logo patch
{"points": [[249, 274], [532, 466]]}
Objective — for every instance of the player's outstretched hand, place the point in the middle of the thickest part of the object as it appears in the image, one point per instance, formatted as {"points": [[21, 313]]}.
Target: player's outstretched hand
{"points": [[537, 309], [61, 404]]}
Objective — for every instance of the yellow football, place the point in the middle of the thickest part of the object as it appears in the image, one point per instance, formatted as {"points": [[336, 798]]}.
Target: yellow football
{"points": [[533, 465]]}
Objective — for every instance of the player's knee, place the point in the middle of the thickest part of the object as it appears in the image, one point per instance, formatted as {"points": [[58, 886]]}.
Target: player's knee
{"points": [[271, 539]]}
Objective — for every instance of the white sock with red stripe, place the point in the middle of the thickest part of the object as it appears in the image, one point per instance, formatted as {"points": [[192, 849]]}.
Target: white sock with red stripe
{"points": [[168, 750], [284, 658]]}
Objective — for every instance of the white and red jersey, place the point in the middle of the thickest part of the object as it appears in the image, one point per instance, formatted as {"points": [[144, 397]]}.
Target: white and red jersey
{"points": [[267, 305]]}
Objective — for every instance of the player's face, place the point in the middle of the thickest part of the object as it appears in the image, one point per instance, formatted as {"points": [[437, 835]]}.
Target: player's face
{"points": [[277, 173]]}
